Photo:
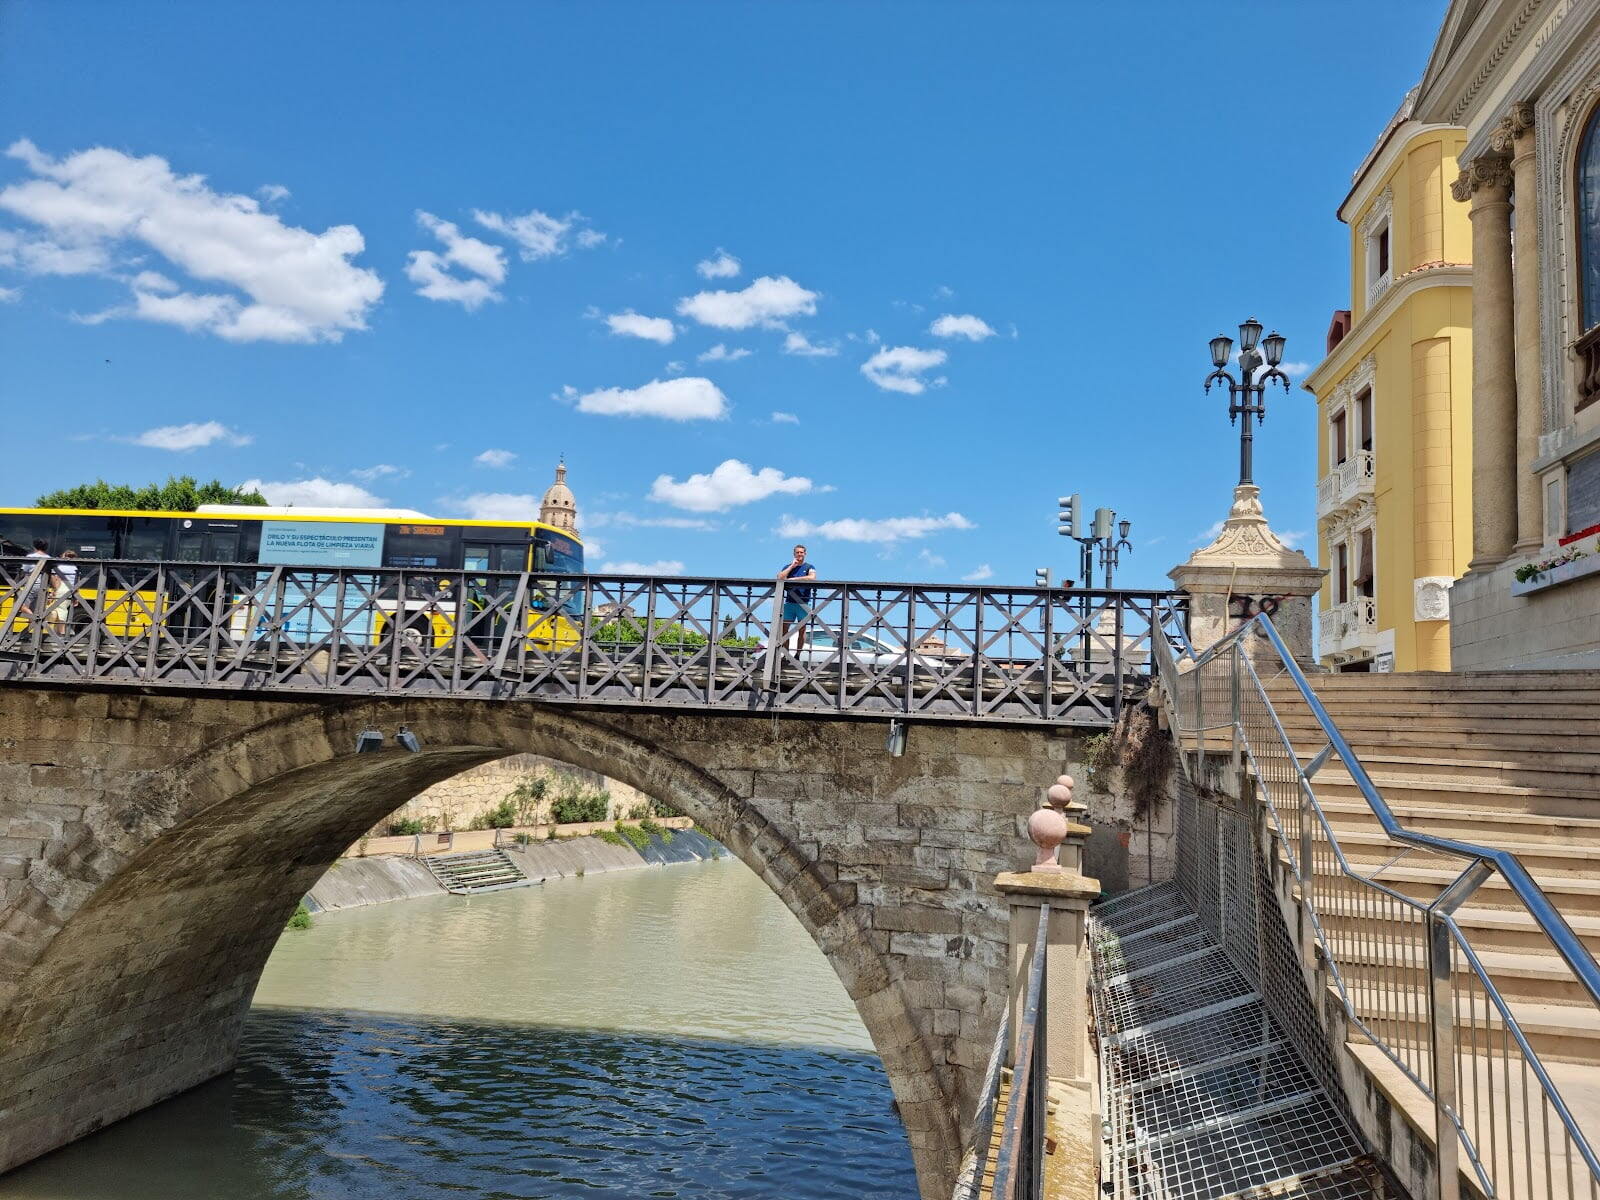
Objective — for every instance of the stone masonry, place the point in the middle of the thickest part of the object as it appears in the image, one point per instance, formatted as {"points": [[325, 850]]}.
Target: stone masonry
{"points": [[152, 847], [453, 803]]}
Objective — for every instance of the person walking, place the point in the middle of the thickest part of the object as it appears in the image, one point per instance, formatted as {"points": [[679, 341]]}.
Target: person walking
{"points": [[33, 588], [796, 599], [62, 591]]}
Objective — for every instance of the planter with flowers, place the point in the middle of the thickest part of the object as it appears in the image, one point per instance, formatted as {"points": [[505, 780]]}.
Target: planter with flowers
{"points": [[1571, 563]]}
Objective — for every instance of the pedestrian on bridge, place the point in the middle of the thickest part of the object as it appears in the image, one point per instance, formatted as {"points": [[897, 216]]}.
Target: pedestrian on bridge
{"points": [[796, 599]]}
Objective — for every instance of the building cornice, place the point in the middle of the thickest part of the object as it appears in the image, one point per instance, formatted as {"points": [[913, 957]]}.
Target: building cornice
{"points": [[1371, 181], [1351, 348], [1458, 74]]}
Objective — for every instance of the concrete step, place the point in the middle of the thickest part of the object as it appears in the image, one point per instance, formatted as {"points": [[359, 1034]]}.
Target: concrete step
{"points": [[1380, 736], [1572, 896], [1558, 770], [1383, 719], [1468, 681], [1550, 802], [476, 871], [1542, 859], [1527, 706], [1467, 823], [1557, 1032], [1505, 929], [1520, 975]]}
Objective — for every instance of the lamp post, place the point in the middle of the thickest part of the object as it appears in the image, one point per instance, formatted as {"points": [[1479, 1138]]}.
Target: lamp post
{"points": [[1111, 549], [1247, 397]]}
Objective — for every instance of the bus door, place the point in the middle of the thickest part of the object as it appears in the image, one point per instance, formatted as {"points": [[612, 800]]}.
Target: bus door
{"points": [[493, 591], [199, 541]]}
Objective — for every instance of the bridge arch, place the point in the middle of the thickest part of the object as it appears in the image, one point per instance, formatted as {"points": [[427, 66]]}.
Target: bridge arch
{"points": [[137, 944]]}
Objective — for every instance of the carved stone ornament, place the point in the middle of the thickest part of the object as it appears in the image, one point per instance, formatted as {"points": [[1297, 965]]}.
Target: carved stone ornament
{"points": [[1515, 123], [1247, 539], [1487, 170], [1431, 598]]}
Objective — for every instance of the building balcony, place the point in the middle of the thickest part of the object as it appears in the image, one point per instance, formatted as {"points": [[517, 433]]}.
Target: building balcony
{"points": [[1345, 485], [1348, 631]]}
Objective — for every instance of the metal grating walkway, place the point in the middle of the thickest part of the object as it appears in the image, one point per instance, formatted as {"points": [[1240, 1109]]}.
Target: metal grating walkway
{"points": [[1204, 1095]]}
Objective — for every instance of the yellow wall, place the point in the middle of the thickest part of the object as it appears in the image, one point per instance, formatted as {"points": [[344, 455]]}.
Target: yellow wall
{"points": [[1421, 353]]}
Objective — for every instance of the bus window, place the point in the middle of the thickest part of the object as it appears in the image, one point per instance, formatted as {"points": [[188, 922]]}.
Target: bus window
{"points": [[205, 542], [146, 538], [18, 531], [510, 558], [91, 536], [405, 549], [557, 554]]}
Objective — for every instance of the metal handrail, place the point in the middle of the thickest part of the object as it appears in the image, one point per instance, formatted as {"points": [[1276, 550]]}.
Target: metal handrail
{"points": [[1020, 1161], [983, 1121], [1482, 863]]}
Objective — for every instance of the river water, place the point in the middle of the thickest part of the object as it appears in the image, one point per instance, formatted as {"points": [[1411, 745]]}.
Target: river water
{"points": [[668, 1032]]}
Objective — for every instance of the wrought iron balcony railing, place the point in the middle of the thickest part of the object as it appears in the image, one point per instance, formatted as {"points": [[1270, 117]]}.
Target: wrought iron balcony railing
{"points": [[924, 651]]}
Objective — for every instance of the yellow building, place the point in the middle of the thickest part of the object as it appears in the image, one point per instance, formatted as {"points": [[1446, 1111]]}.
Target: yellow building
{"points": [[1394, 467]]}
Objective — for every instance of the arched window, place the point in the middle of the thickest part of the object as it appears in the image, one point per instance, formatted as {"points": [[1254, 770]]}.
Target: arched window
{"points": [[1588, 188]]}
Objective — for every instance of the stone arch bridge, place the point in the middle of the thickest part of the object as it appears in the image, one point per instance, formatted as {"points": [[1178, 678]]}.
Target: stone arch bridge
{"points": [[153, 845]]}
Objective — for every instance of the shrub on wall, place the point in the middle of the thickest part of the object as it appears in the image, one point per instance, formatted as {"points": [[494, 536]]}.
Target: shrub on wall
{"points": [[405, 827], [580, 802], [527, 797], [501, 816]]}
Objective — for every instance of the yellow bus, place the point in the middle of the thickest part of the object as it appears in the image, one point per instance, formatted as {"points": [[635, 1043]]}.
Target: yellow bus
{"points": [[294, 537]]}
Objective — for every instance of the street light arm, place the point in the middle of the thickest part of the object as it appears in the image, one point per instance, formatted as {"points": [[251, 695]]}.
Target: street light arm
{"points": [[1221, 374], [1274, 373]]}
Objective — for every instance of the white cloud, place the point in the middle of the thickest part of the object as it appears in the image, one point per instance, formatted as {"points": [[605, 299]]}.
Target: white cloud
{"points": [[652, 329], [974, 329], [273, 193], [766, 301], [686, 398], [297, 286], [193, 436], [930, 558], [886, 529], [539, 235], [720, 353], [1209, 534], [798, 343], [728, 484], [943, 292], [662, 567], [1295, 369], [485, 266], [721, 265], [496, 458], [783, 418], [898, 368], [629, 520], [978, 576], [1292, 537], [675, 367], [154, 281], [10, 295], [498, 506], [379, 471], [313, 493]]}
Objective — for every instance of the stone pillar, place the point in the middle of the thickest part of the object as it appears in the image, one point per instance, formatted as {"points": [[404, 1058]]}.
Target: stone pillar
{"points": [[1514, 135], [1067, 965], [1486, 182], [1248, 570]]}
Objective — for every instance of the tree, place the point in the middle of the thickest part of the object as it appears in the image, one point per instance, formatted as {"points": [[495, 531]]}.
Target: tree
{"points": [[180, 493]]}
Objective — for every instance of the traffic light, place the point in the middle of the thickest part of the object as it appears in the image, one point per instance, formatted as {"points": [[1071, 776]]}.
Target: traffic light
{"points": [[1041, 577], [1071, 515], [1104, 518]]}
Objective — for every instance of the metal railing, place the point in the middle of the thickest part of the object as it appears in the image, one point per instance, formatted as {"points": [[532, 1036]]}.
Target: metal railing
{"points": [[1384, 918], [1345, 483], [1019, 1159], [925, 651]]}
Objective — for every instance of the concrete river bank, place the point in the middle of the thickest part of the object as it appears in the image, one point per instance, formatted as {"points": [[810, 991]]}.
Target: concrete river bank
{"points": [[667, 1032]]}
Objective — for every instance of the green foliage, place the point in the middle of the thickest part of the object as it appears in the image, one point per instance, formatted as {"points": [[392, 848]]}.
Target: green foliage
{"points": [[636, 836], [579, 801], [180, 493], [301, 918], [611, 837], [527, 796], [501, 816], [406, 826], [663, 809], [522, 839], [655, 830], [1099, 760], [630, 631]]}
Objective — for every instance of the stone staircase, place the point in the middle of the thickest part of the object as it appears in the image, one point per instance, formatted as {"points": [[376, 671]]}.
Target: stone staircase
{"points": [[1510, 760], [475, 871]]}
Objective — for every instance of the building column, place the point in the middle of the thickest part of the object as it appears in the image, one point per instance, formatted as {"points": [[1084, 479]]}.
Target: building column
{"points": [[1514, 136], [1486, 182]]}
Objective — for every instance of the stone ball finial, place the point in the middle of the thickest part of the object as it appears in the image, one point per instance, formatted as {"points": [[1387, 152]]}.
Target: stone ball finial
{"points": [[1048, 829], [1060, 792]]}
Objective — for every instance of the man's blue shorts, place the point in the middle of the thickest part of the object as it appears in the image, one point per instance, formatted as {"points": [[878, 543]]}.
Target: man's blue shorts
{"points": [[793, 612]]}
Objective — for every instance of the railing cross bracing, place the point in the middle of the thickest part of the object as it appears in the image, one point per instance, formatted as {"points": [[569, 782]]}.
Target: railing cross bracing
{"points": [[929, 652]]}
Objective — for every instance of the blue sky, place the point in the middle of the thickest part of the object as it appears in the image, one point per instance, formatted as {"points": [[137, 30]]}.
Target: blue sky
{"points": [[959, 259]]}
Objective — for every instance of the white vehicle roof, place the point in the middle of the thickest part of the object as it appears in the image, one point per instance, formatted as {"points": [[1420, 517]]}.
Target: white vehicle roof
{"points": [[274, 510]]}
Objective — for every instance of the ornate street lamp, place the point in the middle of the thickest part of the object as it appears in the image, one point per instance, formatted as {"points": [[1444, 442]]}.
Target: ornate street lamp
{"points": [[1248, 397]]}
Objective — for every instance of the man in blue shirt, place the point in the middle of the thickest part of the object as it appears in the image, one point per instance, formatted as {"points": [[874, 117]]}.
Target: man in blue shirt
{"points": [[796, 599]]}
